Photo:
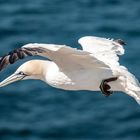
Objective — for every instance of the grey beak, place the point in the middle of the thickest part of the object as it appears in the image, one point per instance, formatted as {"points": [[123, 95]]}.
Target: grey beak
{"points": [[14, 77]]}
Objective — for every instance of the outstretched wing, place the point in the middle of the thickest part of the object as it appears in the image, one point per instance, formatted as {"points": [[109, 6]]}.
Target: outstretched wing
{"points": [[105, 50], [64, 56]]}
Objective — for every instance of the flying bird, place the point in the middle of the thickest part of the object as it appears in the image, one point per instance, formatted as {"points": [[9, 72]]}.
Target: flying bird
{"points": [[95, 67]]}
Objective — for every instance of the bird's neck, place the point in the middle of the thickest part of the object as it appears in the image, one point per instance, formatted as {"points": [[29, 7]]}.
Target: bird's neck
{"points": [[44, 66], [38, 69]]}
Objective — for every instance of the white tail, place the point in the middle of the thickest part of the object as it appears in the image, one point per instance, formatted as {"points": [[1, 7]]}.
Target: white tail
{"points": [[131, 86], [135, 95]]}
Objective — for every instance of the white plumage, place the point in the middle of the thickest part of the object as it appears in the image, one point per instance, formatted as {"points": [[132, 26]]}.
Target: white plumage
{"points": [[73, 69]]}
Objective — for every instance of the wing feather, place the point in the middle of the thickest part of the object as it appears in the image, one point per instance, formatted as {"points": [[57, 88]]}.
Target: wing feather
{"points": [[105, 50], [64, 56]]}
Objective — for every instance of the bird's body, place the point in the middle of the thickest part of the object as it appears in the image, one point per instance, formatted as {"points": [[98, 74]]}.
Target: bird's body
{"points": [[93, 68], [78, 79]]}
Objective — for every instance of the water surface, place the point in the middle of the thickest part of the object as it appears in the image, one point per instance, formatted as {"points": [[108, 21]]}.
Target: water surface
{"points": [[32, 110]]}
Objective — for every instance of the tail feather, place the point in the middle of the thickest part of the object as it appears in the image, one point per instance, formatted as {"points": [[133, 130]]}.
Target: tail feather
{"points": [[132, 85], [134, 94]]}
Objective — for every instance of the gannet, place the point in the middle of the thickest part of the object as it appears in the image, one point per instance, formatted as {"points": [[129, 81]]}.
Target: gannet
{"points": [[96, 67]]}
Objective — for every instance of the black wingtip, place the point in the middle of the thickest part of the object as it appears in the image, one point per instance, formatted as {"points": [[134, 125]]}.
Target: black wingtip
{"points": [[3, 62], [17, 54], [120, 41]]}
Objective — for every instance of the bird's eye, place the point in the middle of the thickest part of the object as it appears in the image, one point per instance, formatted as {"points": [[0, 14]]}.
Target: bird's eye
{"points": [[21, 73]]}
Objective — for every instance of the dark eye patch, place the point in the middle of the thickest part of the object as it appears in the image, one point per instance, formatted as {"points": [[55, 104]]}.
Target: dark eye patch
{"points": [[21, 73]]}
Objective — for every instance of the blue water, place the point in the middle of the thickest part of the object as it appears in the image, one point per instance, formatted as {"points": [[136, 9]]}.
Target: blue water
{"points": [[32, 110]]}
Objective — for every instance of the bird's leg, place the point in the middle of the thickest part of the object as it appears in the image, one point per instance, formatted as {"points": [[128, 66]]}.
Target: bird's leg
{"points": [[105, 88]]}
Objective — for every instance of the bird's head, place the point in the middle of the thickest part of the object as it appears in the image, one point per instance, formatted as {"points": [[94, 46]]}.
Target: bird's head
{"points": [[33, 69]]}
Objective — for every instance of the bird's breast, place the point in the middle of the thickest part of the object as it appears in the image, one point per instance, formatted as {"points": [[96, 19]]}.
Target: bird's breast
{"points": [[78, 79], [58, 79]]}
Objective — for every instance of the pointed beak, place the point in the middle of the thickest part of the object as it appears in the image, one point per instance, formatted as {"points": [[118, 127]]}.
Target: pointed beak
{"points": [[14, 77]]}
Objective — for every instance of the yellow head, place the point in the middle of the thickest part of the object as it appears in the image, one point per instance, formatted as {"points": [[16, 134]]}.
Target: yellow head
{"points": [[34, 69]]}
